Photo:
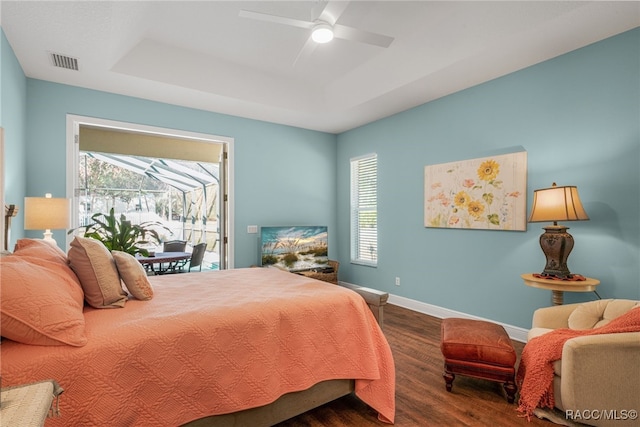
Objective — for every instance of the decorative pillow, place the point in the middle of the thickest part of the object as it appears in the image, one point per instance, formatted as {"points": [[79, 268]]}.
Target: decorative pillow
{"points": [[38, 251], [96, 269], [41, 303], [133, 275], [41, 249]]}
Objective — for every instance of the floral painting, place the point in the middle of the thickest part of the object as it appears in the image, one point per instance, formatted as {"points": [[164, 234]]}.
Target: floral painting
{"points": [[486, 193]]}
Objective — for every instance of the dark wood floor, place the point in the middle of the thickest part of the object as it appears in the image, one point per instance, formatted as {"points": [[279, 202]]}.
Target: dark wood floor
{"points": [[421, 398]]}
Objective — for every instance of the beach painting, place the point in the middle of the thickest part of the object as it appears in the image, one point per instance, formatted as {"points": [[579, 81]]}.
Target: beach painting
{"points": [[294, 248], [486, 193]]}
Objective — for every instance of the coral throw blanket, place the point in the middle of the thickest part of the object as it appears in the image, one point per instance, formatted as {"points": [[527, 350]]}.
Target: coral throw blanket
{"points": [[535, 372], [211, 343]]}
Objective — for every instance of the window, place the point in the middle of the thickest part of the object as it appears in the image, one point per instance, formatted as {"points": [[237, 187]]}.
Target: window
{"points": [[364, 210]]}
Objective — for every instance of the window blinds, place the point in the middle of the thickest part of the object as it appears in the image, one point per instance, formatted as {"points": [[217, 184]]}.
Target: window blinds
{"points": [[364, 210]]}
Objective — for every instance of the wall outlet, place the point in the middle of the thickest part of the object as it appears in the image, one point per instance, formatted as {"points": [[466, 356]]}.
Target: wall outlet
{"points": [[252, 229], [397, 281]]}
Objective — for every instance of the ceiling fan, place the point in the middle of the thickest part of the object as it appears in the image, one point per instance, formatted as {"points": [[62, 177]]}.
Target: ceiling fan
{"points": [[323, 27]]}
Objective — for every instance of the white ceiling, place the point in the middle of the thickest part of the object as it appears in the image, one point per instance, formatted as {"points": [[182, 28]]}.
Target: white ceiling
{"points": [[201, 54]]}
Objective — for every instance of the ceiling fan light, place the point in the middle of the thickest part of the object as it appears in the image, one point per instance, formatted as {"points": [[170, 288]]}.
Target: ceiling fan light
{"points": [[322, 33]]}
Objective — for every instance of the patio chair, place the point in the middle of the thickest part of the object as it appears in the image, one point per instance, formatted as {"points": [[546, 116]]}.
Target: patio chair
{"points": [[197, 256], [175, 246]]}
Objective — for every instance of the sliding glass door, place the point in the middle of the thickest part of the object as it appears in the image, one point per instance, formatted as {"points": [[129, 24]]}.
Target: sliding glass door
{"points": [[176, 180]]}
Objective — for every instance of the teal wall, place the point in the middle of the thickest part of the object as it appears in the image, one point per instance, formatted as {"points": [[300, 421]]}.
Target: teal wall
{"points": [[578, 118], [283, 175], [13, 118]]}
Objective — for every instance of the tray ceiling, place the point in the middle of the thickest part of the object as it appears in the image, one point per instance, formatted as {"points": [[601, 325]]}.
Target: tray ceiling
{"points": [[204, 55]]}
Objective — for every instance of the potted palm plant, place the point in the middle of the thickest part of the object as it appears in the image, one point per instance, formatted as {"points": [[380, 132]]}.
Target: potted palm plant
{"points": [[119, 234]]}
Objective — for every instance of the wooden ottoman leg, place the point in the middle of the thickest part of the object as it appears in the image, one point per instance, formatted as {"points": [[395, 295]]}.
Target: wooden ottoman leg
{"points": [[510, 388], [448, 378]]}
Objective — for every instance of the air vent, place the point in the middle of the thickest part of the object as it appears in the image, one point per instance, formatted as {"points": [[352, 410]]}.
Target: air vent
{"points": [[64, 61]]}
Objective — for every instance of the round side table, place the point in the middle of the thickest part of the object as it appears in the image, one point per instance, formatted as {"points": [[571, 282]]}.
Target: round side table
{"points": [[558, 287]]}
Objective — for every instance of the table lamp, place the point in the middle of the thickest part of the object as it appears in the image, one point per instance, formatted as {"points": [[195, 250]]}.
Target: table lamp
{"points": [[46, 213], [557, 204]]}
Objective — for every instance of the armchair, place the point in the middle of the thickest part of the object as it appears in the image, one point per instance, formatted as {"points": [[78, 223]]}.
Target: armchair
{"points": [[596, 372]]}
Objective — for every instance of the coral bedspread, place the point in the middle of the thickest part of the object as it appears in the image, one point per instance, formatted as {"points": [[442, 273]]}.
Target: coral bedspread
{"points": [[211, 343]]}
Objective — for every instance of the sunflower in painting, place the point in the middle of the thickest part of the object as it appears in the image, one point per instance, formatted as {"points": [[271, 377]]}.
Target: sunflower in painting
{"points": [[475, 209], [461, 199], [488, 170]]}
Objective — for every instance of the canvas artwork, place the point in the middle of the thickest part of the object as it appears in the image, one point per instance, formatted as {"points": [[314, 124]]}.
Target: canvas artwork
{"points": [[485, 193], [294, 248]]}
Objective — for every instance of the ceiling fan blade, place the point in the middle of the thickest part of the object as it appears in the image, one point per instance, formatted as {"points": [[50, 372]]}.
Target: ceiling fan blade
{"points": [[332, 11], [306, 51], [353, 34], [275, 19]]}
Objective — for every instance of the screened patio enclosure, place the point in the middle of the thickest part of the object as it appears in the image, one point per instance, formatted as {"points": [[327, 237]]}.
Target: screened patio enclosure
{"points": [[181, 195]]}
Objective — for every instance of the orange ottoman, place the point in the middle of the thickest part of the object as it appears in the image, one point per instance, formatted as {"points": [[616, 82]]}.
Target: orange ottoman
{"points": [[479, 349]]}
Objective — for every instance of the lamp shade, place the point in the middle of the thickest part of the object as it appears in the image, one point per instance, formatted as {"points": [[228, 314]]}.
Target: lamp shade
{"points": [[557, 204], [46, 213]]}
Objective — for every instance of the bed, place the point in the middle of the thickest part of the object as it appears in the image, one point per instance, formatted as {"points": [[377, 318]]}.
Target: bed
{"points": [[250, 346]]}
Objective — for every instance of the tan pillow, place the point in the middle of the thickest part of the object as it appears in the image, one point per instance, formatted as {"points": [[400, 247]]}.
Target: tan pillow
{"points": [[41, 302], [133, 275], [96, 269]]}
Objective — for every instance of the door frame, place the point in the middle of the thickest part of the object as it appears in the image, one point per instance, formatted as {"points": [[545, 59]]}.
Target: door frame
{"points": [[226, 205]]}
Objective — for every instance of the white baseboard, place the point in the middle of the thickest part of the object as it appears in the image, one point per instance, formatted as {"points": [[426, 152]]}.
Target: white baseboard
{"points": [[515, 333]]}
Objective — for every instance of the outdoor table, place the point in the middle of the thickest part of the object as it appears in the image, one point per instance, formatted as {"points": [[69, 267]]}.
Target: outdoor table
{"points": [[156, 263]]}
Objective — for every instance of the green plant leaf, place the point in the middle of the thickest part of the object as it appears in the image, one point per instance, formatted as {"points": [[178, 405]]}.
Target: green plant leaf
{"points": [[120, 234]]}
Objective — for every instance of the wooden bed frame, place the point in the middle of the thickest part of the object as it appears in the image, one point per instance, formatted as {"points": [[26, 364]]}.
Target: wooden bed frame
{"points": [[287, 406], [293, 404]]}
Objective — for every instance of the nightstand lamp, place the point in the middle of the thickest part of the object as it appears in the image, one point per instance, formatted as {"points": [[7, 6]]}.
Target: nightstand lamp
{"points": [[552, 205], [46, 213]]}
